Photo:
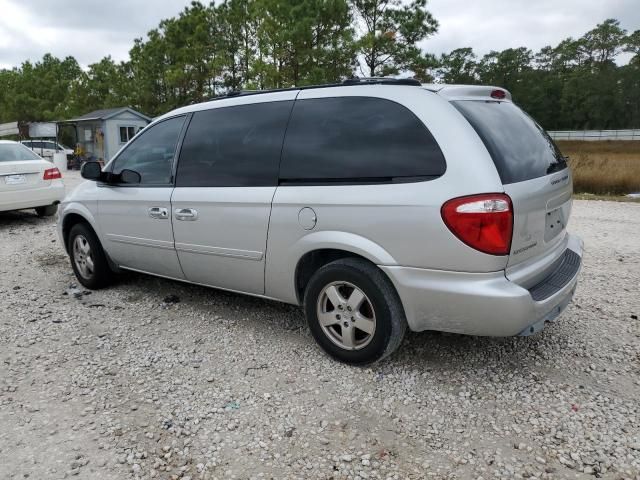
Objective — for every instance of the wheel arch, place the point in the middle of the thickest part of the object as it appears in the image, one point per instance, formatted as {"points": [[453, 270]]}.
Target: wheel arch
{"points": [[68, 223], [75, 217], [325, 248], [74, 214]]}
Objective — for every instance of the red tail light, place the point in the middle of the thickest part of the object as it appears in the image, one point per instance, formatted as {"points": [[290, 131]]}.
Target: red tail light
{"points": [[52, 174], [484, 222], [498, 94]]}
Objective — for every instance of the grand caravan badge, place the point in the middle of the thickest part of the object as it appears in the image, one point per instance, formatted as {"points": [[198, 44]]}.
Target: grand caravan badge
{"points": [[524, 249], [560, 180]]}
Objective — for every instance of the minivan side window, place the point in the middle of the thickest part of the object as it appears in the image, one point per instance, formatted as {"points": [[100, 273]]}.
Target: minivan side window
{"points": [[151, 154], [357, 139], [235, 146]]}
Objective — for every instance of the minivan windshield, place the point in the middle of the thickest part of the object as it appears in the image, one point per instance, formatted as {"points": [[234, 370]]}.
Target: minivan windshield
{"points": [[11, 152], [520, 148]]}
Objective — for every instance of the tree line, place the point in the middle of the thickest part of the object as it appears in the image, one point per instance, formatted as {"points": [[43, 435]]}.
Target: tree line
{"points": [[209, 50]]}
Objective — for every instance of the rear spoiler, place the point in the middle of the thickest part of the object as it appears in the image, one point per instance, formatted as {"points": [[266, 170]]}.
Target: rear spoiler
{"points": [[469, 92]]}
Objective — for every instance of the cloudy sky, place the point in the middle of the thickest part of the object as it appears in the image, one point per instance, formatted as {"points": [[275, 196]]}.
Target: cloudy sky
{"points": [[92, 29]]}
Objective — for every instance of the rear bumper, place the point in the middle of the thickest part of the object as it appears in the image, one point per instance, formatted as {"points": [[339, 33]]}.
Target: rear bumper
{"points": [[485, 304], [36, 197]]}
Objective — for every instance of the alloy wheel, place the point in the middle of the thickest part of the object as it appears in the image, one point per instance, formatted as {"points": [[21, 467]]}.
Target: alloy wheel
{"points": [[82, 256], [346, 315]]}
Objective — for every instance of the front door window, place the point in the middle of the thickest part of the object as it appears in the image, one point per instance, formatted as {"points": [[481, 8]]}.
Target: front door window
{"points": [[151, 154]]}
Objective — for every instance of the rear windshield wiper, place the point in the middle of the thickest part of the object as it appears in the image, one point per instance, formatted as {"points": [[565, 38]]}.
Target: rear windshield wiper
{"points": [[557, 166]]}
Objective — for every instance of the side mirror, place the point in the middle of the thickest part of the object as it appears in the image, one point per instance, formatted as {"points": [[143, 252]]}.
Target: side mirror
{"points": [[91, 171], [130, 176]]}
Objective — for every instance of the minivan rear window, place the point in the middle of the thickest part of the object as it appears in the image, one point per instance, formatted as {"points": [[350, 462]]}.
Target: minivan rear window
{"points": [[520, 148]]}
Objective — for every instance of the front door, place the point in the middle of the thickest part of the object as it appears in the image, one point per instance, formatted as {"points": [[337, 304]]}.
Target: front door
{"points": [[136, 218], [225, 182]]}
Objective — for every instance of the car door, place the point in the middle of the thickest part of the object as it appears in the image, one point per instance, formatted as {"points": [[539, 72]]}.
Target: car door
{"points": [[225, 181], [135, 219]]}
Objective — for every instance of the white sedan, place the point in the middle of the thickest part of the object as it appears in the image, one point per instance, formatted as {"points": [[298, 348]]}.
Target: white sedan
{"points": [[28, 181]]}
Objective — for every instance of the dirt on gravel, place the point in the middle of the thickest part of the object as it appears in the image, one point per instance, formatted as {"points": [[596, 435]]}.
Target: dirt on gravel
{"points": [[156, 379]]}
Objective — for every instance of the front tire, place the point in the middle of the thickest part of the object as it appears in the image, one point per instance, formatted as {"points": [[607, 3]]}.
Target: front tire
{"points": [[354, 312], [47, 211], [88, 259]]}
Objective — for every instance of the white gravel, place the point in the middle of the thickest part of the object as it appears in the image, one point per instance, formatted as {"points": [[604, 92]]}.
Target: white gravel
{"points": [[119, 384]]}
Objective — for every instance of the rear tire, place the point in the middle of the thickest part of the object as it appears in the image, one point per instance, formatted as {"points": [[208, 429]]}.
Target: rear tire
{"points": [[354, 312], [47, 211], [88, 259]]}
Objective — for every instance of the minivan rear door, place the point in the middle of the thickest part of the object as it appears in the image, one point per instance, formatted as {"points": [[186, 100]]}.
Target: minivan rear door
{"points": [[533, 171]]}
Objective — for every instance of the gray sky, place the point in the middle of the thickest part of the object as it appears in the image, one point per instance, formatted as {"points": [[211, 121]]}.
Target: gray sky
{"points": [[92, 29]]}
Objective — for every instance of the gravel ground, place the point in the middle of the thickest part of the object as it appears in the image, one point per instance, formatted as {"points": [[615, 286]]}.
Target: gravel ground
{"points": [[121, 384]]}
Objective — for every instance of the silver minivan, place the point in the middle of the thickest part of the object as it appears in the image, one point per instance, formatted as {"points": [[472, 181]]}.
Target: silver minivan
{"points": [[376, 204]]}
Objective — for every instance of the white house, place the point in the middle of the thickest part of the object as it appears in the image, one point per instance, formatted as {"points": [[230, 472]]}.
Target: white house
{"points": [[103, 132]]}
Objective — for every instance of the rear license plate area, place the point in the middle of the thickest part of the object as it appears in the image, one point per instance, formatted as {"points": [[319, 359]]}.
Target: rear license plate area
{"points": [[555, 223], [15, 179]]}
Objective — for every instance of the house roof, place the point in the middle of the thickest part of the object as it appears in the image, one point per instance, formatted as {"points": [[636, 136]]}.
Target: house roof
{"points": [[107, 113]]}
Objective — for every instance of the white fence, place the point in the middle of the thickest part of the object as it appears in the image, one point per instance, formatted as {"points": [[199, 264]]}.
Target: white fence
{"points": [[595, 135]]}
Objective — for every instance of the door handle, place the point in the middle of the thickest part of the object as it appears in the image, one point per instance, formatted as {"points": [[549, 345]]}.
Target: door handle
{"points": [[187, 214], [160, 213]]}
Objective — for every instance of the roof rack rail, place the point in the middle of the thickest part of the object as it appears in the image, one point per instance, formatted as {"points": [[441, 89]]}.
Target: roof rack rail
{"points": [[355, 81], [236, 93], [381, 81]]}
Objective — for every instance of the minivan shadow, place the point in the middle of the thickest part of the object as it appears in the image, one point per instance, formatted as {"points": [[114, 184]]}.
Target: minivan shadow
{"points": [[420, 351], [206, 300], [446, 351], [21, 218]]}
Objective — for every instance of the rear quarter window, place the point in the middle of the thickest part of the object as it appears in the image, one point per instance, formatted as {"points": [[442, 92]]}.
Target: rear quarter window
{"points": [[521, 150], [357, 139]]}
